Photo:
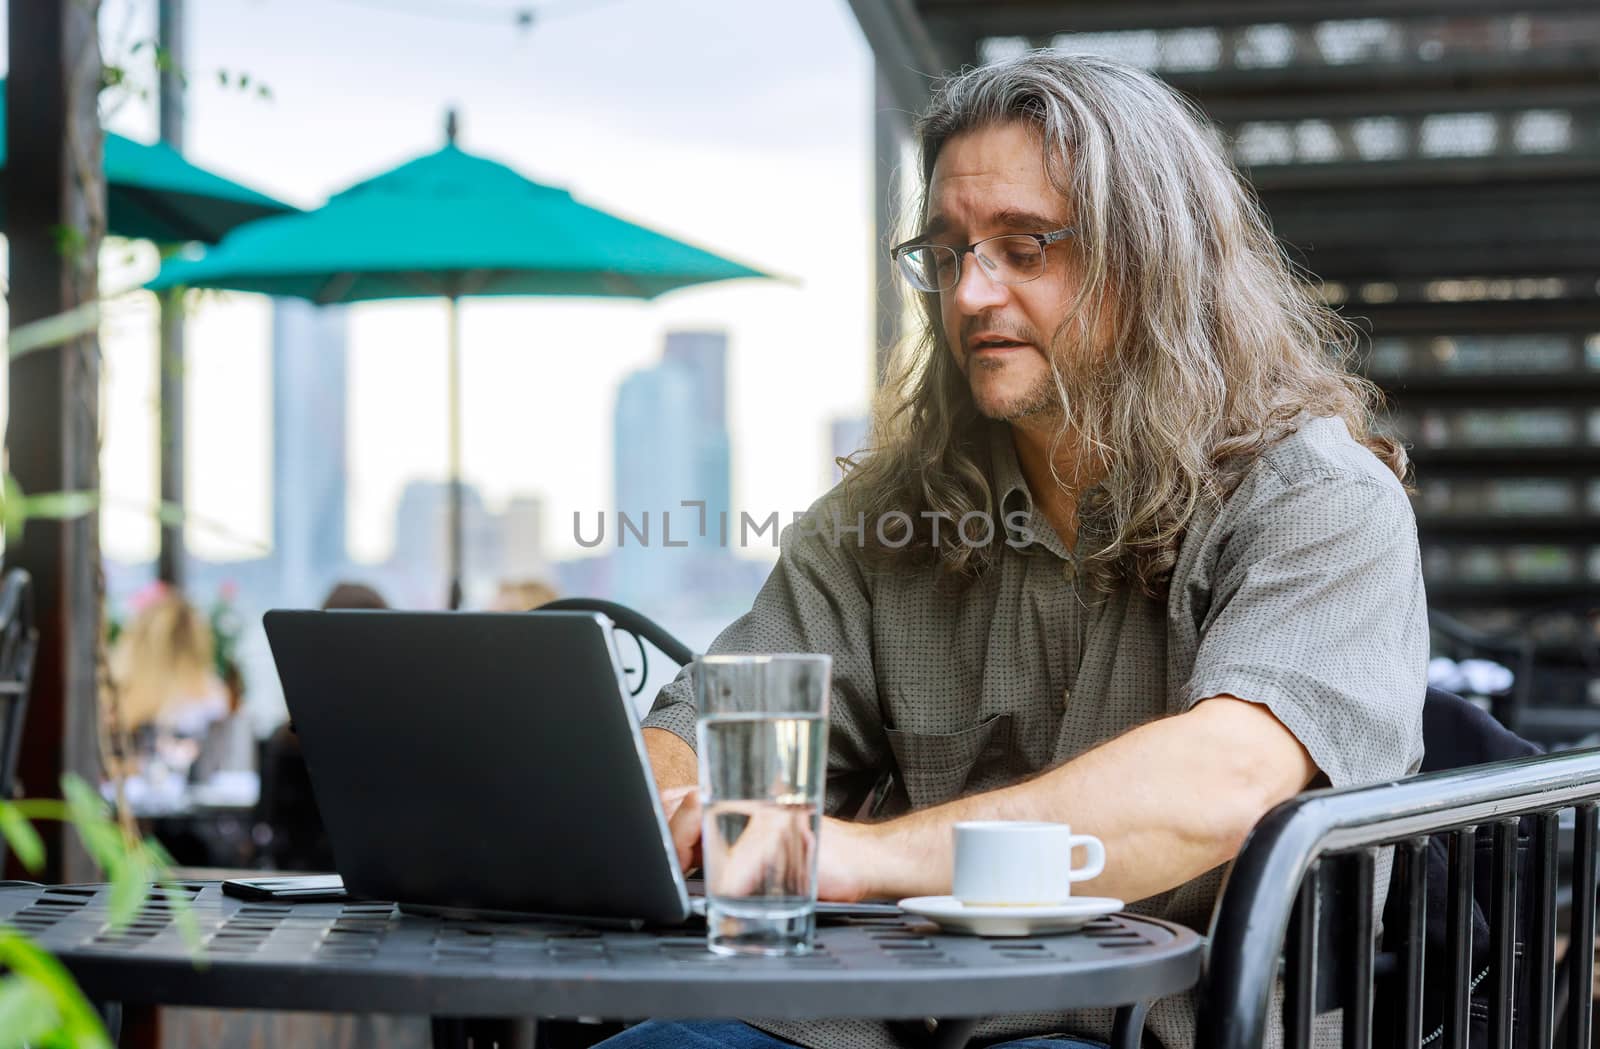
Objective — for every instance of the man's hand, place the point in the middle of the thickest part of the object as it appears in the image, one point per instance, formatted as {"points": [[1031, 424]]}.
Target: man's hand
{"points": [[774, 841], [682, 807], [847, 856], [677, 776]]}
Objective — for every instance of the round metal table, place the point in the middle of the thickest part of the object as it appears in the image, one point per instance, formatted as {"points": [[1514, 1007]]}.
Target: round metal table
{"points": [[370, 957]]}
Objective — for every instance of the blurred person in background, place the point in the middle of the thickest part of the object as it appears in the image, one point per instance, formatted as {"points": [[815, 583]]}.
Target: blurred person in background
{"points": [[299, 840], [163, 663], [521, 595], [353, 595], [171, 696]]}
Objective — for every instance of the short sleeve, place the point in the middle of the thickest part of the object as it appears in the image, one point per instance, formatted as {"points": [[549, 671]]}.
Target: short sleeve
{"points": [[1318, 613], [815, 600]]}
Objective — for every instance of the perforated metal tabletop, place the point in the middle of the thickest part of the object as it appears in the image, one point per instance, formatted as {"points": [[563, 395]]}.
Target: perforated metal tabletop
{"points": [[370, 957]]}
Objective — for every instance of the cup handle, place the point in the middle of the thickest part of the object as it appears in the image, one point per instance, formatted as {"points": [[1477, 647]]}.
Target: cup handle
{"points": [[1097, 858]]}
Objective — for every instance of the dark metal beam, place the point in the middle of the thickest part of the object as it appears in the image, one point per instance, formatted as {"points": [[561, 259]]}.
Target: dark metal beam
{"points": [[1449, 231], [1021, 18], [1520, 595], [1333, 104], [1476, 317], [908, 57], [1504, 75], [1536, 461], [1545, 390], [1526, 171], [1499, 529], [52, 433]]}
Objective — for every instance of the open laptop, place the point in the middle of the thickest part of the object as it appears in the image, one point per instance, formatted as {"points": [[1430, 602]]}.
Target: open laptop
{"points": [[479, 762]]}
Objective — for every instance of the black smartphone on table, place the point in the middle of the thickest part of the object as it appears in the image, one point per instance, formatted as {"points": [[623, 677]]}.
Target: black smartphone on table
{"points": [[299, 888]]}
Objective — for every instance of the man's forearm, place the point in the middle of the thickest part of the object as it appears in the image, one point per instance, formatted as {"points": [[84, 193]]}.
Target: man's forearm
{"points": [[1171, 800], [672, 761]]}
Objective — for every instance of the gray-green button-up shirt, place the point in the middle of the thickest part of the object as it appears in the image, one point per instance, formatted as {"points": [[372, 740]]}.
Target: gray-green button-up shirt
{"points": [[1303, 592]]}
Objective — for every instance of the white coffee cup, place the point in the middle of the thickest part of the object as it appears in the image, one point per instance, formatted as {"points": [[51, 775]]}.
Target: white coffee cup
{"points": [[1002, 863]]}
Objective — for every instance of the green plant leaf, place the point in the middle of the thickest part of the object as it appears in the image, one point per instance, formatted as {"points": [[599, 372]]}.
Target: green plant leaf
{"points": [[57, 329], [60, 505], [71, 242], [101, 838], [12, 501], [182, 914], [22, 838], [79, 1025], [27, 1015], [129, 889]]}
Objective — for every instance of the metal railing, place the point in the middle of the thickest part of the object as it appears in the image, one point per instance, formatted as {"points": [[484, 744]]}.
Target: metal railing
{"points": [[1269, 908]]}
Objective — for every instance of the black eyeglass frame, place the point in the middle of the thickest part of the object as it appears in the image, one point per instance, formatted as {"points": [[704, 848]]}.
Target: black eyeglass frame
{"points": [[1044, 240]]}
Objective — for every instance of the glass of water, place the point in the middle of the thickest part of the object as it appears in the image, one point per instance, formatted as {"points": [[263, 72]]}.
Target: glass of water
{"points": [[763, 749]]}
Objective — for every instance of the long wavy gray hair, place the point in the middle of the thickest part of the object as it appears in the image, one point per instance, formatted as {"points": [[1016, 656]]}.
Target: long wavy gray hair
{"points": [[1218, 345]]}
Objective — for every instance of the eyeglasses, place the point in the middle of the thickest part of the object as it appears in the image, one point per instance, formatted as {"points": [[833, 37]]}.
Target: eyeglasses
{"points": [[1010, 258]]}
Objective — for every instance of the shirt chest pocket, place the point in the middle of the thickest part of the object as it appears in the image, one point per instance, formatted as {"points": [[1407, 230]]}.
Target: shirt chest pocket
{"points": [[938, 766]]}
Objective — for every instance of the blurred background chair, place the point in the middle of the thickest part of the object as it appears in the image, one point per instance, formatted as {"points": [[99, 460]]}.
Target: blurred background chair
{"points": [[19, 641], [1552, 692]]}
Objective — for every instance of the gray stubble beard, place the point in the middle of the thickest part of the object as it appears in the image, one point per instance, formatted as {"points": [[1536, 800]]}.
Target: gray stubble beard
{"points": [[1041, 400]]}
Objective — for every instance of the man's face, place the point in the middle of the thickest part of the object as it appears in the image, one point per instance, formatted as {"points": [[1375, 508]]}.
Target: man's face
{"points": [[987, 182]]}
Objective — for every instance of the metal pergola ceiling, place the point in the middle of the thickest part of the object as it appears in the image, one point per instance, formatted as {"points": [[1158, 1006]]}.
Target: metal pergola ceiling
{"points": [[1388, 138]]}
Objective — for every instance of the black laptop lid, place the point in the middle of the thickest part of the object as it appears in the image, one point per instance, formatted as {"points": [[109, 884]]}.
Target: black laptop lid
{"points": [[482, 761]]}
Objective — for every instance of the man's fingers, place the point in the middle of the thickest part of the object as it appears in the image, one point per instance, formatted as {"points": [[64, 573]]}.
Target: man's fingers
{"points": [[672, 798], [684, 825]]}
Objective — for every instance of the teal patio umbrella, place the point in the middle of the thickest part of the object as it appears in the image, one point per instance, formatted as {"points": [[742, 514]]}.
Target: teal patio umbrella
{"points": [[153, 193], [446, 225]]}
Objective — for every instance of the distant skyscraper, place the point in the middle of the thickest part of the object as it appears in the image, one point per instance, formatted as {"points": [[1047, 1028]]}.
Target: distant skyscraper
{"points": [[705, 355], [706, 352], [672, 447], [657, 434], [308, 427], [421, 524]]}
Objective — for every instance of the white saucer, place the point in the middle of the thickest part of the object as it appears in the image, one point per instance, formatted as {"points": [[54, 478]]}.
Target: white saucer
{"points": [[954, 916]]}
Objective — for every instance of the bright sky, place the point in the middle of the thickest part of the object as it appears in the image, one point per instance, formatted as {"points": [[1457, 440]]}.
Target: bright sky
{"points": [[740, 125]]}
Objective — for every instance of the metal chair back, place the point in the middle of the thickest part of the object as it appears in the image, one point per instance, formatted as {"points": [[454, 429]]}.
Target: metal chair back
{"points": [[1323, 845]]}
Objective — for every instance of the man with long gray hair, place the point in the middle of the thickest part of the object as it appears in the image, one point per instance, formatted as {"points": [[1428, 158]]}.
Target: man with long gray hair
{"points": [[1125, 551]]}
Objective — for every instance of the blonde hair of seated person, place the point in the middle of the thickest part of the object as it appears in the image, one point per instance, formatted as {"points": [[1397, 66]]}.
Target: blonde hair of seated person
{"points": [[163, 662], [522, 595]]}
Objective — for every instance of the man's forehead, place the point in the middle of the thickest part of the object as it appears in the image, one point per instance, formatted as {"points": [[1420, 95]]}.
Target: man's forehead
{"points": [[1014, 151], [993, 177]]}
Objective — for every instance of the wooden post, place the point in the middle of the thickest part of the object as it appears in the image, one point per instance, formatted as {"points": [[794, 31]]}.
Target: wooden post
{"points": [[170, 360], [55, 210]]}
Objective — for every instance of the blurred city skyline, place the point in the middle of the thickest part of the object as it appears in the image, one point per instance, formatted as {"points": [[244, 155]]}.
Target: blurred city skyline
{"points": [[680, 115]]}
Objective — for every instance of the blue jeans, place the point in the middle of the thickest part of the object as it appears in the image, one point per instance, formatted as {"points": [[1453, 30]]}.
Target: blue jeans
{"points": [[731, 1034]]}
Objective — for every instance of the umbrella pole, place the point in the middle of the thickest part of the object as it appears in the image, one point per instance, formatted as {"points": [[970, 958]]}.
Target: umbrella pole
{"points": [[452, 312]]}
